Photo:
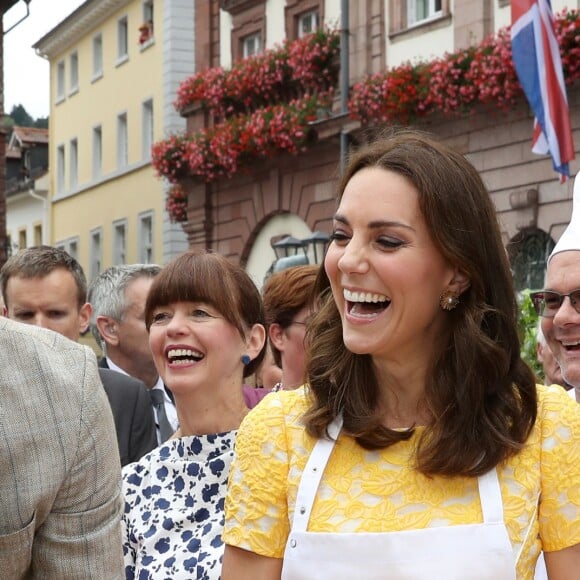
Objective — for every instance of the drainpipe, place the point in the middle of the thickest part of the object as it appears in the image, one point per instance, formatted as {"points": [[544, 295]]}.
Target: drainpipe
{"points": [[344, 77], [45, 216]]}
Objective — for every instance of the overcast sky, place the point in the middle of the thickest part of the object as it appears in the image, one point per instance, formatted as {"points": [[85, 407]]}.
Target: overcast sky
{"points": [[26, 75]]}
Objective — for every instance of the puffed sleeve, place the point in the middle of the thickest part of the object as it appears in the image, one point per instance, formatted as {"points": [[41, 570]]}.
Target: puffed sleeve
{"points": [[256, 504], [559, 511]]}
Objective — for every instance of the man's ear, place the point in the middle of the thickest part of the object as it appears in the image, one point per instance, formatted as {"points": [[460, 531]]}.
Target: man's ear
{"points": [[540, 352], [107, 329], [85, 317], [276, 334]]}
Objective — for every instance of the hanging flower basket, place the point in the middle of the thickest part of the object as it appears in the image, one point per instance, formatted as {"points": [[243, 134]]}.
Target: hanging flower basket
{"points": [[176, 204], [305, 65], [456, 83], [221, 150]]}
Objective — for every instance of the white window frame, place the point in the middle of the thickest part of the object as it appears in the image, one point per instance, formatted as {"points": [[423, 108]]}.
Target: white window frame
{"points": [[60, 81], [72, 247], [74, 73], [147, 128], [96, 252], [120, 242], [148, 10], [308, 22], [60, 168], [97, 56], [97, 151], [22, 238], [122, 140], [37, 234], [251, 45], [122, 39], [431, 9], [73, 163], [146, 238]]}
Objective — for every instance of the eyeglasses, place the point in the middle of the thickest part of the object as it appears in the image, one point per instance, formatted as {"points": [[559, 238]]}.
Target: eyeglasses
{"points": [[302, 322], [547, 302]]}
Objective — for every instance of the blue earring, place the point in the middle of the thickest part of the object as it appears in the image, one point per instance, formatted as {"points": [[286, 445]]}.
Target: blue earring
{"points": [[246, 360]]}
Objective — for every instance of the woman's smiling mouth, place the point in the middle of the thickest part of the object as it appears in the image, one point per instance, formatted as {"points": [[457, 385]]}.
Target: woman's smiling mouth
{"points": [[365, 304]]}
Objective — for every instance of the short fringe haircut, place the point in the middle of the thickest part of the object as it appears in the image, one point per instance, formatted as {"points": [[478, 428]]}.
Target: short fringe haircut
{"points": [[198, 276]]}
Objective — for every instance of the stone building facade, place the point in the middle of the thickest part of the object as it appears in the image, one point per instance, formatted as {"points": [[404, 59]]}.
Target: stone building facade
{"points": [[239, 217]]}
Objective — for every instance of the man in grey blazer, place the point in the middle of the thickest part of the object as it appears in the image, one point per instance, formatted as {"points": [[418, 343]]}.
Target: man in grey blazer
{"points": [[46, 287], [60, 476]]}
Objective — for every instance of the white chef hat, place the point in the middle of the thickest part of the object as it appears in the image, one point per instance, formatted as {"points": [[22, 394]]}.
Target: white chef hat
{"points": [[570, 239]]}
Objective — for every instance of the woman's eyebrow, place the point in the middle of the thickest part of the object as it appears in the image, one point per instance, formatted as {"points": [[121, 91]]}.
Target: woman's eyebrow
{"points": [[375, 224]]}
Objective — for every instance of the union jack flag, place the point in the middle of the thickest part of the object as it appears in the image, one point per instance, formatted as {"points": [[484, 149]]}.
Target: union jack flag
{"points": [[536, 58]]}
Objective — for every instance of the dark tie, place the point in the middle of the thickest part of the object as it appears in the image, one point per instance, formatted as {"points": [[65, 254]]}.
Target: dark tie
{"points": [[165, 428]]}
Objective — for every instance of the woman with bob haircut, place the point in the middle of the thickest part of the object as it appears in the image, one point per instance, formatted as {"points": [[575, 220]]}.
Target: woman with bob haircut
{"points": [[421, 446], [206, 332], [287, 297]]}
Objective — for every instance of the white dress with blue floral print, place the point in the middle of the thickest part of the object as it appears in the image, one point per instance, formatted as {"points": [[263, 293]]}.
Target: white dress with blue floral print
{"points": [[174, 509]]}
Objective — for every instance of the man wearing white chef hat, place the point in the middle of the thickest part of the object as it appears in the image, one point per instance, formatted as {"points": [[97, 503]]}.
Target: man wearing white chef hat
{"points": [[559, 303], [559, 306]]}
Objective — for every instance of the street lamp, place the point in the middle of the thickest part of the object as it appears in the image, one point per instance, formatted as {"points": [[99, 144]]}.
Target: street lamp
{"points": [[9, 4], [318, 241], [291, 251], [288, 246]]}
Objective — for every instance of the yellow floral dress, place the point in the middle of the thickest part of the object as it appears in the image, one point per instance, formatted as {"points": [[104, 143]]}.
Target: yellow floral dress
{"points": [[377, 491]]}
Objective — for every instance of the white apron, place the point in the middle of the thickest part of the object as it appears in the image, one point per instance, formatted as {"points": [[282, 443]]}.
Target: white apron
{"points": [[458, 552]]}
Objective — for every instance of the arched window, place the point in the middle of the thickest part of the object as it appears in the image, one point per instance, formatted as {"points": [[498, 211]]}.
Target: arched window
{"points": [[528, 252]]}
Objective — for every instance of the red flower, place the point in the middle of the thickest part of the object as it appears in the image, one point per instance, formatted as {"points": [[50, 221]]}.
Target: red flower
{"points": [[296, 67], [176, 204], [455, 83]]}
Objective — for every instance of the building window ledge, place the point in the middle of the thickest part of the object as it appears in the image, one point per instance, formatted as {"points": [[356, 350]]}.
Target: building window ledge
{"points": [[237, 6], [427, 25], [146, 44], [122, 60]]}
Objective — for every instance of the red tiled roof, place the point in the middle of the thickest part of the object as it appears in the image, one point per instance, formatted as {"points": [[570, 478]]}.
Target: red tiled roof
{"points": [[30, 135]]}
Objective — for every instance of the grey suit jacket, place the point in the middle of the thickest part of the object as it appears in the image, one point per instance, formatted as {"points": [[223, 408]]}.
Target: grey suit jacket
{"points": [[60, 475]]}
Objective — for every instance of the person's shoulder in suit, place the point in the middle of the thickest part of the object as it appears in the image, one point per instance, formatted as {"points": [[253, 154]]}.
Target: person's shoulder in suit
{"points": [[133, 414], [58, 438]]}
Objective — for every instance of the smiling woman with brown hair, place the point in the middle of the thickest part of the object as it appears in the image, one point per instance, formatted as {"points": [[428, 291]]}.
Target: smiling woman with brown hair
{"points": [[206, 332], [420, 447]]}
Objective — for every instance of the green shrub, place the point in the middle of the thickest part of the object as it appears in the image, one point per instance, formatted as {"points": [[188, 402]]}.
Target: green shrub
{"points": [[527, 328]]}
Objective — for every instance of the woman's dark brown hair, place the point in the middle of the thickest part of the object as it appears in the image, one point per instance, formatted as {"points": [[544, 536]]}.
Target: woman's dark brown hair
{"points": [[481, 395], [212, 279]]}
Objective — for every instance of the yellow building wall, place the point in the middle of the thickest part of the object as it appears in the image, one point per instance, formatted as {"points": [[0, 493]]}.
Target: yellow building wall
{"points": [[123, 198], [120, 193]]}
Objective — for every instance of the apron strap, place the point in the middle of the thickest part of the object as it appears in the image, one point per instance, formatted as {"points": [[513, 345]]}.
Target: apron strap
{"points": [[312, 475], [488, 484], [490, 497]]}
